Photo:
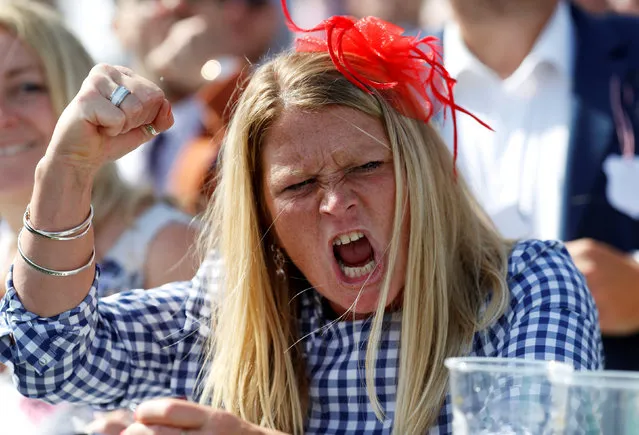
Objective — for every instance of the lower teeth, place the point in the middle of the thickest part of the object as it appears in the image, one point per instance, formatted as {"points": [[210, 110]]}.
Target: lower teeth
{"points": [[356, 272]]}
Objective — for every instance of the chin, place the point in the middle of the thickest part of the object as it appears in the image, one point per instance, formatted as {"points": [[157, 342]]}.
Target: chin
{"points": [[366, 304]]}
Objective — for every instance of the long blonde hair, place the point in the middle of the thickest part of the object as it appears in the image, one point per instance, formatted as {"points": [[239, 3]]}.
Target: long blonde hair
{"points": [[455, 282], [66, 64]]}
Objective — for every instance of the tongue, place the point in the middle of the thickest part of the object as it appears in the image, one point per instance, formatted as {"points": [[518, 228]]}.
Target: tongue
{"points": [[355, 254]]}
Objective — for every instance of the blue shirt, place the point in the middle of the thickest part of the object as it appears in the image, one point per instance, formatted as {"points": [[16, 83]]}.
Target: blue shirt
{"points": [[142, 344]]}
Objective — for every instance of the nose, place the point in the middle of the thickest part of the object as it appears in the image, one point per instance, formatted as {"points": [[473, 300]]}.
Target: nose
{"points": [[337, 200]]}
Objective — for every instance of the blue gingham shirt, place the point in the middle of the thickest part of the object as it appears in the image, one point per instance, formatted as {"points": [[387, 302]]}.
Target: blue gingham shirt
{"points": [[143, 344]]}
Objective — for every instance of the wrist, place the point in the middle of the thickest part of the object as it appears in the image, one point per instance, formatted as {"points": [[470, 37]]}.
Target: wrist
{"points": [[61, 194], [66, 168]]}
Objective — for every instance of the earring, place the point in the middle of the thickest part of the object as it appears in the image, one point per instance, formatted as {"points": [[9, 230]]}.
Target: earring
{"points": [[279, 260]]}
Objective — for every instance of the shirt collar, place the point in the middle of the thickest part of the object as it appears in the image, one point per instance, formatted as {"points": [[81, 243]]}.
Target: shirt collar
{"points": [[554, 46]]}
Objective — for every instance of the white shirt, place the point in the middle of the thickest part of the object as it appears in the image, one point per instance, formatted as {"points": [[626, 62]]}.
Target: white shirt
{"points": [[518, 171], [134, 167]]}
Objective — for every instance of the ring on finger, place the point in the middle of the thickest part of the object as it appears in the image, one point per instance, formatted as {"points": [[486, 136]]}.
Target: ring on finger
{"points": [[118, 95], [151, 130]]}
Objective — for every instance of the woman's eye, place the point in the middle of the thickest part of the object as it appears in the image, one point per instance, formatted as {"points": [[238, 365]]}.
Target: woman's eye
{"points": [[368, 166], [299, 186], [31, 88]]}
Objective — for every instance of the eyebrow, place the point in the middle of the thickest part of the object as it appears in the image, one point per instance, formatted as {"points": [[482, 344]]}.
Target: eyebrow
{"points": [[280, 172], [13, 72]]}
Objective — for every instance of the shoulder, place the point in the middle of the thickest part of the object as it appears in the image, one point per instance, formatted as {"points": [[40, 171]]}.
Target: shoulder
{"points": [[543, 273], [171, 254]]}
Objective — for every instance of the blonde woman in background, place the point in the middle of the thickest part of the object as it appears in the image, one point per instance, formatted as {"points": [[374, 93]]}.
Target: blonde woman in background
{"points": [[140, 242], [346, 263]]}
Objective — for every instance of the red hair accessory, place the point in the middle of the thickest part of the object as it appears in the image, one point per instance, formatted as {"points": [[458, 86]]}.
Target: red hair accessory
{"points": [[409, 70]]}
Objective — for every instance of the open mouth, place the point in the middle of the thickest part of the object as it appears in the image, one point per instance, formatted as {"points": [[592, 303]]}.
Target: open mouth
{"points": [[354, 254]]}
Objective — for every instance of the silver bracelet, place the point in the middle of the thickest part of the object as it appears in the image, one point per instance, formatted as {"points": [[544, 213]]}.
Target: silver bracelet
{"points": [[52, 272], [70, 234]]}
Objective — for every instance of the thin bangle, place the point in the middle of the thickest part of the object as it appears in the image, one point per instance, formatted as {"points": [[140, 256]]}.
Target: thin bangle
{"points": [[52, 272], [32, 230], [70, 234]]}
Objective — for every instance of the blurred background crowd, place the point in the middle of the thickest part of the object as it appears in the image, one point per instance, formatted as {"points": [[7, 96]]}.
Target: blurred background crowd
{"points": [[556, 80]]}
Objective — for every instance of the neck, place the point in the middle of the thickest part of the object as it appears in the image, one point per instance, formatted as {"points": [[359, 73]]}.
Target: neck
{"points": [[488, 33]]}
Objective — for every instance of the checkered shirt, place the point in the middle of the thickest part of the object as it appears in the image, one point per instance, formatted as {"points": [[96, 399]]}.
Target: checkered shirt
{"points": [[143, 344]]}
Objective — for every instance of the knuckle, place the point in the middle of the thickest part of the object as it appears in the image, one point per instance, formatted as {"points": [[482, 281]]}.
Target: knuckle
{"points": [[94, 79], [102, 68], [84, 97], [155, 96], [136, 108], [119, 117], [124, 70]]}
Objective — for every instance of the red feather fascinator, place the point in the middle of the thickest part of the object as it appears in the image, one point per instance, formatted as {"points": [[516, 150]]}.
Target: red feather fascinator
{"points": [[407, 70]]}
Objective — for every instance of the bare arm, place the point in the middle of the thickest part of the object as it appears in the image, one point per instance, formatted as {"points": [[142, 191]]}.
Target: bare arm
{"points": [[61, 200], [90, 132]]}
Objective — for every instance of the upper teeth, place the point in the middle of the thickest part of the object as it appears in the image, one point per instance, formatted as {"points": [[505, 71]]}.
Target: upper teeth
{"points": [[345, 239], [12, 150]]}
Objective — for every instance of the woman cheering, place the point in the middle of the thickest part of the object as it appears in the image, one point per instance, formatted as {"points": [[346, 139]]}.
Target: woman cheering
{"points": [[346, 259]]}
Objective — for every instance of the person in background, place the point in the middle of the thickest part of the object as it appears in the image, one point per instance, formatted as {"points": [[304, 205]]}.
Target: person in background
{"points": [[629, 7], [346, 260], [197, 52], [192, 178], [559, 87], [91, 21], [435, 13], [413, 15], [404, 13], [139, 241]]}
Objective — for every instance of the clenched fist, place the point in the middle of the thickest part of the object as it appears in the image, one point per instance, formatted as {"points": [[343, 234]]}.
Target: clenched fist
{"points": [[114, 112]]}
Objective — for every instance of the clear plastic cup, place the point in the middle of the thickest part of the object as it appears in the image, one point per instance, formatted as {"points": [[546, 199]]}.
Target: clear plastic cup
{"points": [[505, 396], [601, 402]]}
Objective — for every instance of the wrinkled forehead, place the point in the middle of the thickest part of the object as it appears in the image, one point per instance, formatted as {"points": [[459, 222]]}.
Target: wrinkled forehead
{"points": [[333, 136]]}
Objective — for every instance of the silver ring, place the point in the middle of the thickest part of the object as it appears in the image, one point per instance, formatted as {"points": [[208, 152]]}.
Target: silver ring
{"points": [[151, 130], [118, 95]]}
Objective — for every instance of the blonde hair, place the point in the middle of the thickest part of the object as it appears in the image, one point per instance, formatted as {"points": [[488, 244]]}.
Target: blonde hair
{"points": [[455, 282], [66, 64]]}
